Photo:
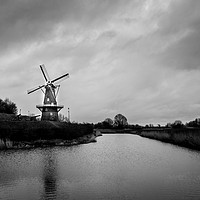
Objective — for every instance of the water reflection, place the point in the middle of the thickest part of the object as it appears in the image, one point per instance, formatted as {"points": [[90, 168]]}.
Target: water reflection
{"points": [[50, 175], [116, 167]]}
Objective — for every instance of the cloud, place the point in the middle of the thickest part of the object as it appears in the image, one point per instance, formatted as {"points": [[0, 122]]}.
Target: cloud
{"points": [[138, 58], [179, 30], [37, 21]]}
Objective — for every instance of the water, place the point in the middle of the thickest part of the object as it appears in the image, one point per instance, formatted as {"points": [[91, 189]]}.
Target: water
{"points": [[116, 167]]}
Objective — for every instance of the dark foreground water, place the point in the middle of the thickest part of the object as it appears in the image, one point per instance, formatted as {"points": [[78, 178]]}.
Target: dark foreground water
{"points": [[116, 167]]}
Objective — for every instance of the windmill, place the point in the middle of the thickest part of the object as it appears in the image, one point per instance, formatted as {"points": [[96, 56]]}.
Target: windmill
{"points": [[49, 108]]}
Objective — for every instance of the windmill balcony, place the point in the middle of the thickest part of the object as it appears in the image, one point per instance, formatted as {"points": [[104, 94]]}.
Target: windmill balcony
{"points": [[49, 107], [49, 111]]}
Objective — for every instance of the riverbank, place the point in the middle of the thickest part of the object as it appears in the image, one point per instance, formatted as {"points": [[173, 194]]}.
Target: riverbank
{"points": [[116, 131], [8, 144], [30, 134], [186, 137]]}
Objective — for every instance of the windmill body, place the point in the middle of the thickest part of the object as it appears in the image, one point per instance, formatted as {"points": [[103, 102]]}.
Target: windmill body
{"points": [[49, 108]]}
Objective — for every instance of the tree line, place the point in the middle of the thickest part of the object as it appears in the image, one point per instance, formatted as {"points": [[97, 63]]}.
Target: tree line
{"points": [[119, 121]]}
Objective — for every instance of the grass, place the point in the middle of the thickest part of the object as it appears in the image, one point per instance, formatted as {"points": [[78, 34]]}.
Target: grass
{"points": [[187, 137]]}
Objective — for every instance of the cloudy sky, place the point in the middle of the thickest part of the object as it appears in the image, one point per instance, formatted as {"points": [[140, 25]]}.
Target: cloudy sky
{"points": [[140, 58]]}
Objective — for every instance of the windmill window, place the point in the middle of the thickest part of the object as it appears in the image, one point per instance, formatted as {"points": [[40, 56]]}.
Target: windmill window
{"points": [[51, 113], [48, 99]]}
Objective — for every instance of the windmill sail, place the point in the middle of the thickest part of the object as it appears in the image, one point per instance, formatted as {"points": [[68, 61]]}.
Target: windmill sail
{"points": [[34, 89], [61, 78], [45, 73]]}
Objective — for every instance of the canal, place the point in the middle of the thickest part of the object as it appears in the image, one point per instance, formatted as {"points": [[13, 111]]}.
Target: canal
{"points": [[121, 166]]}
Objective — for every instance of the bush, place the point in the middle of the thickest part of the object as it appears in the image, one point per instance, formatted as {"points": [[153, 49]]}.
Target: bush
{"points": [[44, 130]]}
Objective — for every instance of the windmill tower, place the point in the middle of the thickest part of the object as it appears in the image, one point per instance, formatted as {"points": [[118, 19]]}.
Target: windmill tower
{"points": [[49, 108]]}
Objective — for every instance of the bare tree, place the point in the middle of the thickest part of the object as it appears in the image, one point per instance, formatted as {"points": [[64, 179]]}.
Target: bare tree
{"points": [[62, 118]]}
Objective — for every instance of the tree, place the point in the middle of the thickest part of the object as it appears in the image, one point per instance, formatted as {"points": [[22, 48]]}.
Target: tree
{"points": [[107, 123], [120, 121], [178, 124], [195, 123], [8, 107], [98, 125]]}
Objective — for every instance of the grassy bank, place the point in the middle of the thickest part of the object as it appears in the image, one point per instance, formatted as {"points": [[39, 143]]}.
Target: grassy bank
{"points": [[43, 132], [187, 137]]}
